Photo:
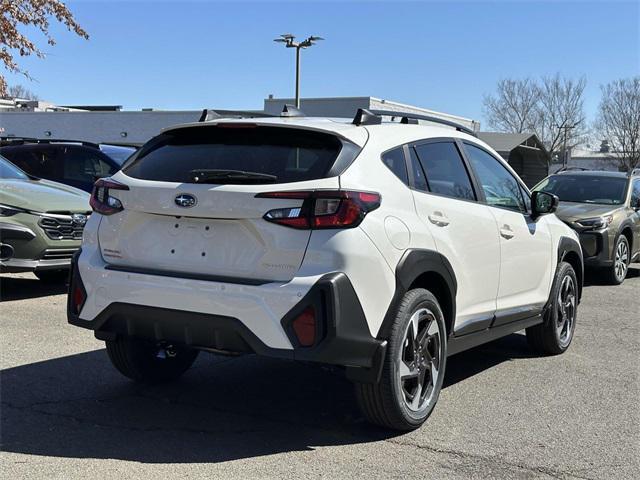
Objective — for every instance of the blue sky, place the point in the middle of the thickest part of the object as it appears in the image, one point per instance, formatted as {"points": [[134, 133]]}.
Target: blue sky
{"points": [[439, 55]]}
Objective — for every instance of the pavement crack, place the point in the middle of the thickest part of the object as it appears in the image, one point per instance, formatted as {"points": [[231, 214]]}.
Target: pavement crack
{"points": [[491, 459]]}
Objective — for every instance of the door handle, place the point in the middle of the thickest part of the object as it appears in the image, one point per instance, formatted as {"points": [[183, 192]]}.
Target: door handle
{"points": [[439, 219], [506, 232]]}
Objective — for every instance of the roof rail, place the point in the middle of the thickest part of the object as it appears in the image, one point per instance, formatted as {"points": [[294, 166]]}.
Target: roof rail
{"points": [[412, 118], [574, 169], [5, 141], [366, 117]]}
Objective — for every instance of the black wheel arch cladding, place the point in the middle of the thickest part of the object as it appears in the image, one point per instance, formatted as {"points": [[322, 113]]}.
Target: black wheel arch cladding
{"points": [[569, 251], [417, 263]]}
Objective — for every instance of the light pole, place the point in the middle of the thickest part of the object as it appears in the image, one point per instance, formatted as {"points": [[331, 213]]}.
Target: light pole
{"points": [[565, 127], [289, 42]]}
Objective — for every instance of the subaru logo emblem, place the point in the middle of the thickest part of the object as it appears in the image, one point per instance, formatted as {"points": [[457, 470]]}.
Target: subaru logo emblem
{"points": [[185, 200], [79, 219]]}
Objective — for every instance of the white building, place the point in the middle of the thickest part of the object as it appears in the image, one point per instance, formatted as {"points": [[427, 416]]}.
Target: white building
{"points": [[109, 124], [601, 159]]}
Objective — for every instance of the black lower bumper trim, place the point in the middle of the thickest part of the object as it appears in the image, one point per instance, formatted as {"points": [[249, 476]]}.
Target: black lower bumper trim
{"points": [[345, 338]]}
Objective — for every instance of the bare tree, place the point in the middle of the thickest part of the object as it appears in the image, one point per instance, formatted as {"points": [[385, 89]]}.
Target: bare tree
{"points": [[561, 122], [551, 108], [513, 108], [29, 14], [619, 120], [18, 91]]}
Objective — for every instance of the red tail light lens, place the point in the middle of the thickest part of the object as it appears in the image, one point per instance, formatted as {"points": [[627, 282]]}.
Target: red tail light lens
{"points": [[101, 201], [323, 208], [304, 326]]}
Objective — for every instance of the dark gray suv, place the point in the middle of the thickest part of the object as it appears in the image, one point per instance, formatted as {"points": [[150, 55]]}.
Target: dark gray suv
{"points": [[604, 208]]}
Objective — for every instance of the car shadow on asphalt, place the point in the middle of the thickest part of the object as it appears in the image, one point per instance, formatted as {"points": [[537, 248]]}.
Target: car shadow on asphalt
{"points": [[593, 278], [22, 288], [223, 409]]}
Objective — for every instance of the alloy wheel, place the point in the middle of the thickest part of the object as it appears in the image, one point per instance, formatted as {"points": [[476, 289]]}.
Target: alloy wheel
{"points": [[621, 261], [421, 358], [566, 310]]}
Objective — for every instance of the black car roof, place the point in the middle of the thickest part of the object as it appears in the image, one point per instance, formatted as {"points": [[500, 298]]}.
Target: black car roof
{"points": [[19, 141], [592, 173]]}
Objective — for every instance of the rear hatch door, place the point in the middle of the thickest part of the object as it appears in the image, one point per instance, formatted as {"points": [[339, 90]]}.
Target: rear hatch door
{"points": [[183, 215]]}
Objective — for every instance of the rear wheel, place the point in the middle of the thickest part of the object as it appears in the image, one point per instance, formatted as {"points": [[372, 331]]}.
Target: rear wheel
{"points": [[616, 274], [554, 335], [414, 367], [149, 362], [52, 276]]}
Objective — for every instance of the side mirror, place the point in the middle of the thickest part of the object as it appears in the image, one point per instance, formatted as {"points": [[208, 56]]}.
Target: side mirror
{"points": [[543, 203], [636, 207]]}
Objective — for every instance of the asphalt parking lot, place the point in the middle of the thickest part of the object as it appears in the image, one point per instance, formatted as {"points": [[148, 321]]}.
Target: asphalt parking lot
{"points": [[504, 413]]}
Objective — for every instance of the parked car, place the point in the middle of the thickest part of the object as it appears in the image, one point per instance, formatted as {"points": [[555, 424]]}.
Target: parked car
{"points": [[368, 244], [604, 208], [41, 223], [73, 163]]}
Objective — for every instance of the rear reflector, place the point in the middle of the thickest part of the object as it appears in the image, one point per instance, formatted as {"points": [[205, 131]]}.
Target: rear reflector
{"points": [[304, 326], [78, 298], [323, 208]]}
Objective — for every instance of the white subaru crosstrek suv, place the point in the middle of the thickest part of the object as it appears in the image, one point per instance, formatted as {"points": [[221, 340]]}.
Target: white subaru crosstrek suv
{"points": [[381, 244]]}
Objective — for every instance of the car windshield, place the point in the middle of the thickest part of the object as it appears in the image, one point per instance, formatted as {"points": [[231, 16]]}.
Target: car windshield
{"points": [[9, 170], [117, 153], [585, 188]]}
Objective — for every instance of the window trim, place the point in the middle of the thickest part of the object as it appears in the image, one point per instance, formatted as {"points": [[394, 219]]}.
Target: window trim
{"points": [[519, 181], [470, 173]]}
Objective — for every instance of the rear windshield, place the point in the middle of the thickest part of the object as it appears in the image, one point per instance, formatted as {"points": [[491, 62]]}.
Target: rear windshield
{"points": [[281, 154], [586, 188]]}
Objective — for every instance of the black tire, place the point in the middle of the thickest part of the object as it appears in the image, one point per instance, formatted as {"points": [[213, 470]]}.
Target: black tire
{"points": [[385, 403], [553, 336], [53, 276], [144, 361], [616, 273]]}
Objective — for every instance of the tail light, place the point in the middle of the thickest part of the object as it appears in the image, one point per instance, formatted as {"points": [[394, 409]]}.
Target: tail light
{"points": [[323, 208], [101, 201], [304, 326]]}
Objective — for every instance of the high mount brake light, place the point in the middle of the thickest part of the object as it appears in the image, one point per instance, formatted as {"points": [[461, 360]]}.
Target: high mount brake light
{"points": [[236, 125], [322, 209], [101, 201]]}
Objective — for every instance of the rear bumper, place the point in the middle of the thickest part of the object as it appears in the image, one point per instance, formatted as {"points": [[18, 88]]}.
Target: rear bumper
{"points": [[230, 318]]}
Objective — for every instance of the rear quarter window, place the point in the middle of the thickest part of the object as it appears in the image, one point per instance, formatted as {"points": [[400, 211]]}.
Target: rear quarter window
{"points": [[289, 154], [395, 161]]}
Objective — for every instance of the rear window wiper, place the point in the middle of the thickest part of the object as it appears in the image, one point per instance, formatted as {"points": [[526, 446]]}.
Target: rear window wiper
{"points": [[230, 176]]}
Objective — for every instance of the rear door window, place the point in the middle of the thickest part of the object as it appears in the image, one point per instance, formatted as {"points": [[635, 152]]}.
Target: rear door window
{"points": [[417, 173], [82, 164], [282, 154], [445, 171]]}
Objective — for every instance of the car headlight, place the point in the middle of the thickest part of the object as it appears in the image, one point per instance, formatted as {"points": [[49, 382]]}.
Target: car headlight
{"points": [[8, 210], [596, 223]]}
